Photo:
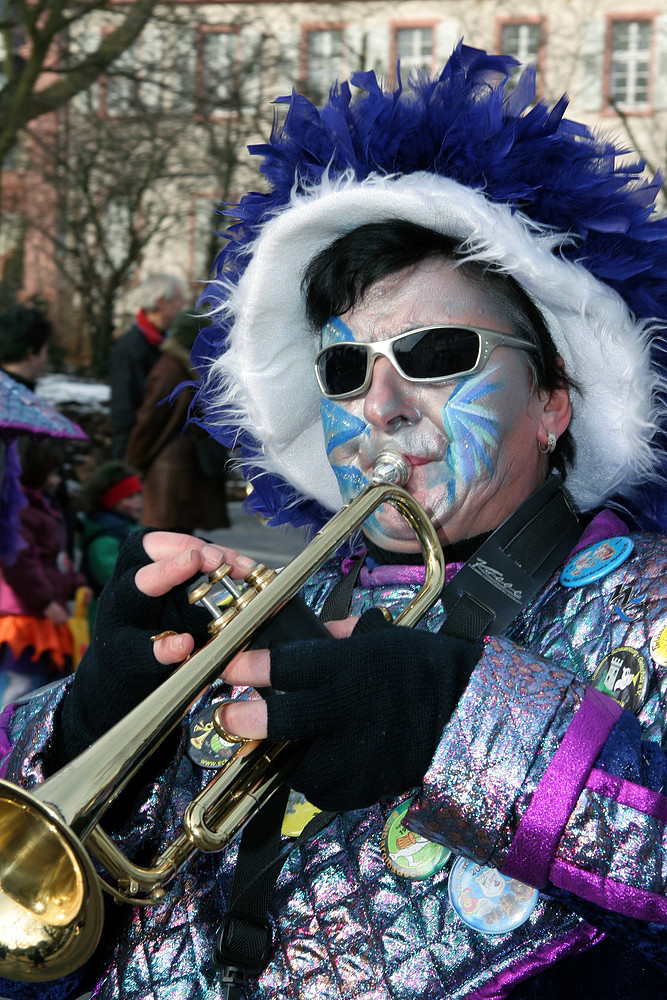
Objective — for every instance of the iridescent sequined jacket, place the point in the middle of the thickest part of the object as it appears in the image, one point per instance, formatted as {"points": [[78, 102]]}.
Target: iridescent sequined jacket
{"points": [[538, 774]]}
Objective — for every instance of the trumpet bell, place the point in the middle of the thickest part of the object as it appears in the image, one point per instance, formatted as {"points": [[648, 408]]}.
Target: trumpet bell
{"points": [[50, 900]]}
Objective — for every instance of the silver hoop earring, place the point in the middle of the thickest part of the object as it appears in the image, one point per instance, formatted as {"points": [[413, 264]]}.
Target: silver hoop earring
{"points": [[547, 448]]}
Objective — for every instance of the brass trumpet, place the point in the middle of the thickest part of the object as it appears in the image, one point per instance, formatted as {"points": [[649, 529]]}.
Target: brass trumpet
{"points": [[51, 910]]}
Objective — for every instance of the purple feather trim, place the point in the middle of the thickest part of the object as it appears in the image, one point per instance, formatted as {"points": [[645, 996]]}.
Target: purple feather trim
{"points": [[12, 500]]}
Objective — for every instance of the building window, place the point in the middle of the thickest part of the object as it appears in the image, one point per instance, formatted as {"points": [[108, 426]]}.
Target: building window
{"points": [[323, 60], [522, 40], [629, 64], [218, 76], [414, 47]]}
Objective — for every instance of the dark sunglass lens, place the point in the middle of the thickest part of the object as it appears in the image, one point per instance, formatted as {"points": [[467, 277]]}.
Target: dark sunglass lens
{"points": [[342, 368], [438, 352]]}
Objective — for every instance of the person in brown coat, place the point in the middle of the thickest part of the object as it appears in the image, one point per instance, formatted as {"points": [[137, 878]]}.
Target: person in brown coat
{"points": [[184, 470]]}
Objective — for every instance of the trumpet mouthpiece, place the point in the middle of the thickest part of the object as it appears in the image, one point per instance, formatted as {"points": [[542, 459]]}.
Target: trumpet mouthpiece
{"points": [[390, 467]]}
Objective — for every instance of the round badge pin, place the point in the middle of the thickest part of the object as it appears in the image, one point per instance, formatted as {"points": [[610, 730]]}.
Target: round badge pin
{"points": [[205, 746], [406, 853], [624, 675], [488, 901], [596, 561], [658, 647]]}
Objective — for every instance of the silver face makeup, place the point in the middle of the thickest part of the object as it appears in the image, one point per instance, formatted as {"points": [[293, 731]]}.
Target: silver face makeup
{"points": [[470, 440]]}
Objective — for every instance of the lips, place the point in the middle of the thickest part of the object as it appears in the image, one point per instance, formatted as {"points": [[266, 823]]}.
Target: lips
{"points": [[415, 460]]}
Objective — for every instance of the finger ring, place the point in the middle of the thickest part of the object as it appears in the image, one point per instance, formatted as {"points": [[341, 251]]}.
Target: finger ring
{"points": [[221, 731], [162, 635]]}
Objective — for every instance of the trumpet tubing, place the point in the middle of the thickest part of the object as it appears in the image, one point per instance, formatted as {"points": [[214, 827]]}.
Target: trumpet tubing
{"points": [[50, 899]]}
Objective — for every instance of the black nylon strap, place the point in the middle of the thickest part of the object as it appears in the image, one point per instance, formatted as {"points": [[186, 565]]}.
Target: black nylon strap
{"points": [[512, 564], [468, 619], [339, 598], [244, 938]]}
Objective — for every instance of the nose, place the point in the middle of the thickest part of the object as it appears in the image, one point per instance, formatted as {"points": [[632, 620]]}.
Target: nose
{"points": [[389, 399]]}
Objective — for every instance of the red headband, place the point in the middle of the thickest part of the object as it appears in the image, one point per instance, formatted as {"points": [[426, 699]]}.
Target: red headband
{"points": [[125, 488]]}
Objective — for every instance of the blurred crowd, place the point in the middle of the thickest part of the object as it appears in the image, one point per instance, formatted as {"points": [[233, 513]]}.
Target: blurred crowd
{"points": [[58, 545]]}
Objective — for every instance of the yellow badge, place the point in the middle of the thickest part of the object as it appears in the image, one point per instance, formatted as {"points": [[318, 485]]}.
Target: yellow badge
{"points": [[298, 814], [658, 647]]}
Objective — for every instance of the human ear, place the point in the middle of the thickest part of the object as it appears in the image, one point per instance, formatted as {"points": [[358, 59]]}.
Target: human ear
{"points": [[556, 412]]}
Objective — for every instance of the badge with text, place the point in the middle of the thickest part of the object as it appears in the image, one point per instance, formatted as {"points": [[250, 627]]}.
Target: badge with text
{"points": [[406, 853], [658, 647], [488, 901], [596, 561], [623, 674], [205, 746]]}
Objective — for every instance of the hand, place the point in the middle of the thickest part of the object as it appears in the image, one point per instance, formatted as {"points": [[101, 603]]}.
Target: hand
{"points": [[55, 612], [176, 558], [146, 595], [253, 669], [370, 708]]}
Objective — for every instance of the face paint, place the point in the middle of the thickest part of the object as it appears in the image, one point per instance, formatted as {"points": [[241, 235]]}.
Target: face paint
{"points": [[472, 427], [471, 443], [341, 431]]}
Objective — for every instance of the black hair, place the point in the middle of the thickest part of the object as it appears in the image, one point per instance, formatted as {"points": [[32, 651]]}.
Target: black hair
{"points": [[24, 330], [339, 276], [102, 479]]}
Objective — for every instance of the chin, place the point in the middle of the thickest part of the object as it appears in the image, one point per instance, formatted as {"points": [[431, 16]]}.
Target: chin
{"points": [[392, 533]]}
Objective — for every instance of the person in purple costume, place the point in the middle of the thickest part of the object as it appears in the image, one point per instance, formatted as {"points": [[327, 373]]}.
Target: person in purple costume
{"points": [[459, 276]]}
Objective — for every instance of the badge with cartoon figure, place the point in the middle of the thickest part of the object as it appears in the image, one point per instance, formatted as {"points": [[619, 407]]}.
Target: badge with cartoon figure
{"points": [[596, 561], [205, 746], [624, 675], [488, 901], [406, 853]]}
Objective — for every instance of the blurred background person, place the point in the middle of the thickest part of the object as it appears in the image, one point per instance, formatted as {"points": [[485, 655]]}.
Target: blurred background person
{"points": [[111, 500], [184, 469], [161, 297], [25, 332], [24, 337], [35, 641]]}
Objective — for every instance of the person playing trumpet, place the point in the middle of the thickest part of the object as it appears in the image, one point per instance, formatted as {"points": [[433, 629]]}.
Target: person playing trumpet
{"points": [[470, 282]]}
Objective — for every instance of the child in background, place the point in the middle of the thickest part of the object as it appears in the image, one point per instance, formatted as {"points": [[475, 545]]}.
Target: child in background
{"points": [[35, 641], [112, 501]]}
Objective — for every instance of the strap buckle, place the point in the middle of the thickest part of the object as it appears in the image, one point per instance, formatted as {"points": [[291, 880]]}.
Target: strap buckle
{"points": [[243, 945]]}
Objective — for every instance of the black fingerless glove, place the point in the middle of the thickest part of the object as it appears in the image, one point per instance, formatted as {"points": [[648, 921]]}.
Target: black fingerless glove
{"points": [[119, 669], [374, 707]]}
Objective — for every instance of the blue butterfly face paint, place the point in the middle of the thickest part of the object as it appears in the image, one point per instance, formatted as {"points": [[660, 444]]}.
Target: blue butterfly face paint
{"points": [[471, 441], [472, 428]]}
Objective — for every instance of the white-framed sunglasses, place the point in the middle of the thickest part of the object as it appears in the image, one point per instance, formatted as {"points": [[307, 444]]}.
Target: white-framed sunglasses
{"points": [[425, 354]]}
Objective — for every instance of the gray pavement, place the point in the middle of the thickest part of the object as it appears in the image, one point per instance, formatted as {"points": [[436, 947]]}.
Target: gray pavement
{"points": [[250, 535]]}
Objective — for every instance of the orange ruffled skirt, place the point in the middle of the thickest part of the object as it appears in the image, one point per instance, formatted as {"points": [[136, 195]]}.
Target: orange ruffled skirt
{"points": [[43, 635]]}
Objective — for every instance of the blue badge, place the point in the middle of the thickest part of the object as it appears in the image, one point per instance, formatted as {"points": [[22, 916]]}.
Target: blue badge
{"points": [[488, 901], [596, 561]]}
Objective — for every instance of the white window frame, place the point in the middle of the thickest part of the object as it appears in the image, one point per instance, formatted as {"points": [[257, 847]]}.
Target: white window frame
{"points": [[633, 60], [422, 48], [320, 69]]}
